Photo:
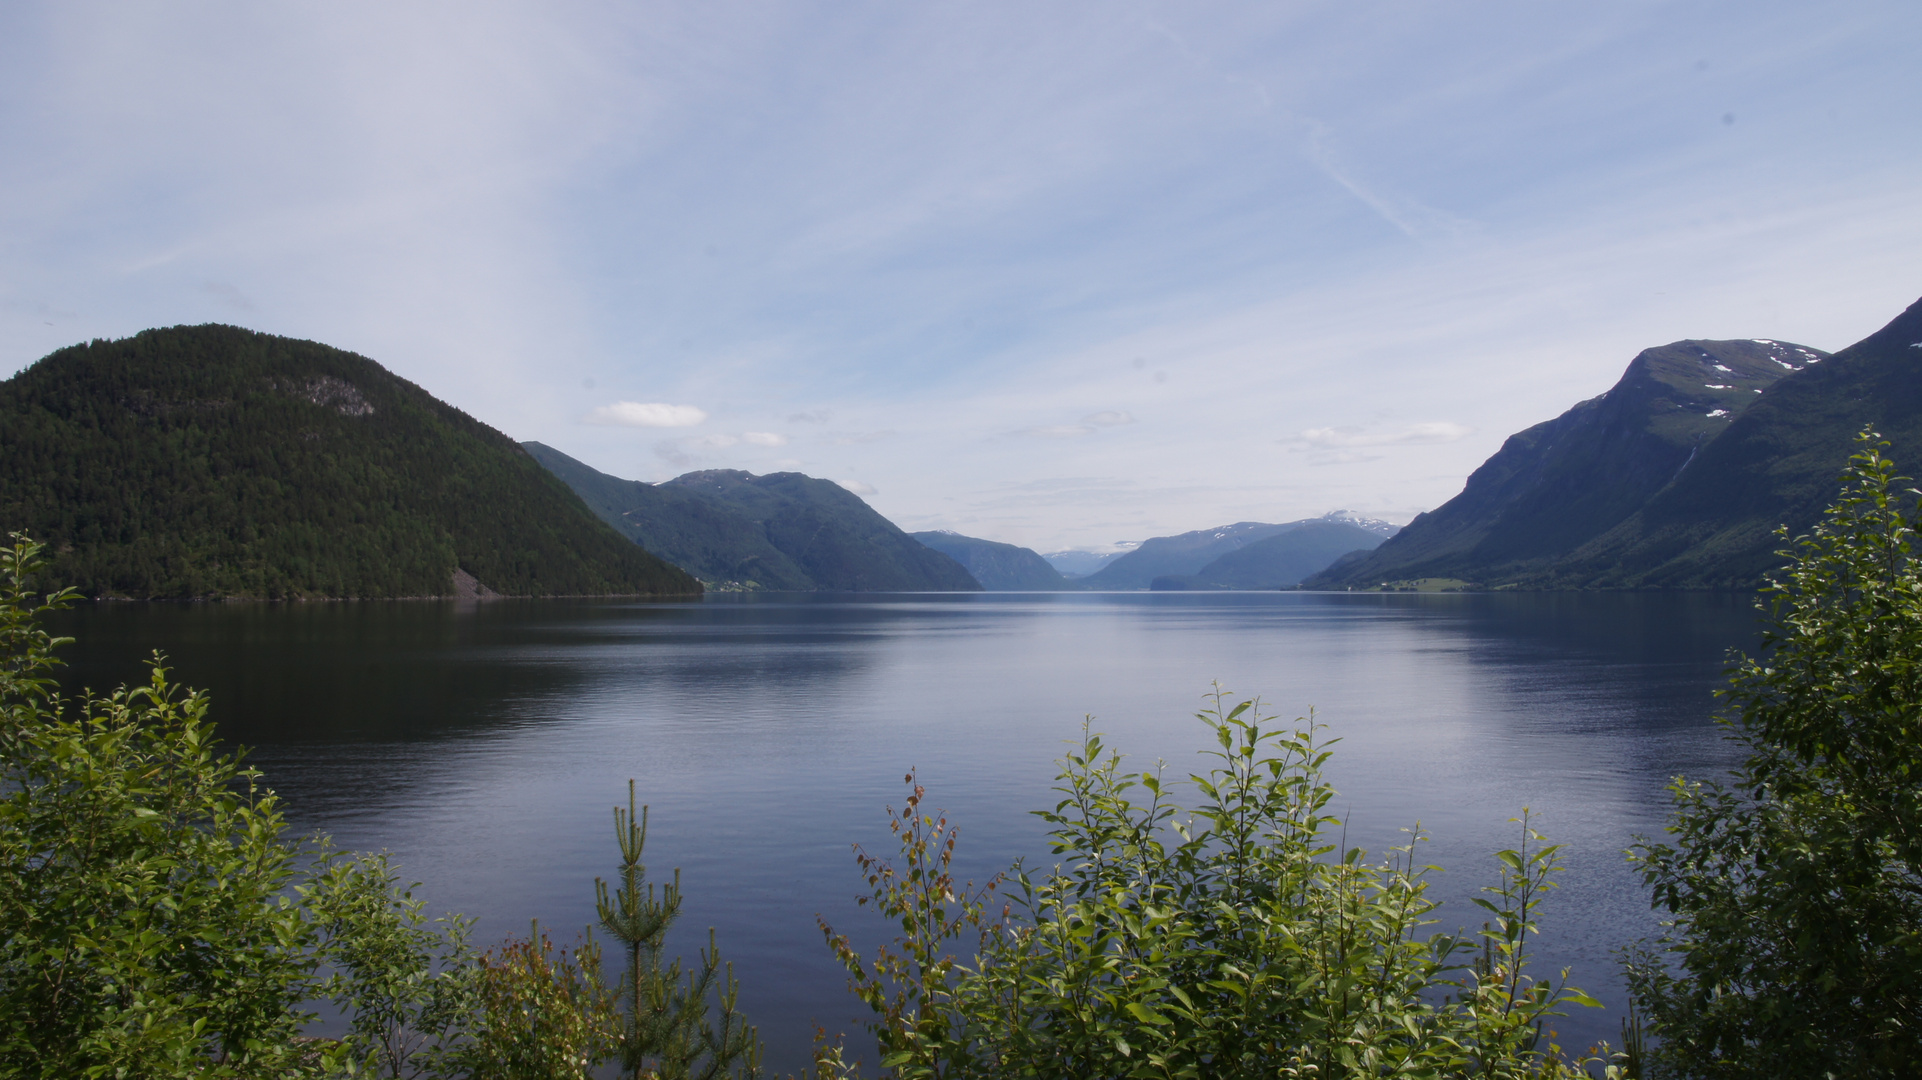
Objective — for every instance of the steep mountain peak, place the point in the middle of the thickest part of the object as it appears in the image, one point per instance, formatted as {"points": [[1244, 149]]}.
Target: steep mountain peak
{"points": [[1691, 390], [1678, 477], [1562, 482]]}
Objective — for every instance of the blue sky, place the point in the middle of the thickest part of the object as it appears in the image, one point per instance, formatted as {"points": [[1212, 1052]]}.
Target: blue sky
{"points": [[1054, 272]]}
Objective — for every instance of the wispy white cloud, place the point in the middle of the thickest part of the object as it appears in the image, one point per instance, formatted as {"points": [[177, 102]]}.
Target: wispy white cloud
{"points": [[1108, 418], [1411, 217], [859, 488], [1331, 438], [644, 414], [764, 438]]}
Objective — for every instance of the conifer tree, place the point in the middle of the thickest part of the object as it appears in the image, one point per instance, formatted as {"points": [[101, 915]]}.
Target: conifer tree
{"points": [[666, 1030]]}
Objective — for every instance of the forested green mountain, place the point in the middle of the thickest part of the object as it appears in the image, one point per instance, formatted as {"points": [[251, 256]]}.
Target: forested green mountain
{"points": [[830, 533], [997, 566], [207, 461], [781, 531], [1668, 481], [707, 539], [1280, 561]]}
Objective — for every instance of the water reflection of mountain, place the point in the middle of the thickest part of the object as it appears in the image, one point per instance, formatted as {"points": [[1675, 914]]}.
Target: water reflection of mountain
{"points": [[411, 672]]}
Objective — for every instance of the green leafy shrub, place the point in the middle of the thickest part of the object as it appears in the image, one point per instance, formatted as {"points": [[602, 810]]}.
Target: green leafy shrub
{"points": [[1793, 893], [148, 930], [410, 987], [1228, 939]]}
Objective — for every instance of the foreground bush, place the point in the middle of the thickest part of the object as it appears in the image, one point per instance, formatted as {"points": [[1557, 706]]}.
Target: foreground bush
{"points": [[147, 930], [1229, 938], [1794, 891], [156, 922]]}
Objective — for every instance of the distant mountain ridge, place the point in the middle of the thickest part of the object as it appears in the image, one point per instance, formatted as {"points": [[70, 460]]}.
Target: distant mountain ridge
{"points": [[1377, 526], [1182, 553], [212, 461], [998, 567], [781, 531], [1279, 561], [1073, 564], [1187, 553], [1675, 478]]}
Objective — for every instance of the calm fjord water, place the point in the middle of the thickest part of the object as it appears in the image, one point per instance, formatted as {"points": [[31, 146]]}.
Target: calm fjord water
{"points": [[485, 744]]}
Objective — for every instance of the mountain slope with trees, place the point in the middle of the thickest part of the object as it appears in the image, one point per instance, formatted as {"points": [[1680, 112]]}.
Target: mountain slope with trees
{"points": [[827, 530], [782, 531], [211, 461], [713, 542]]}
